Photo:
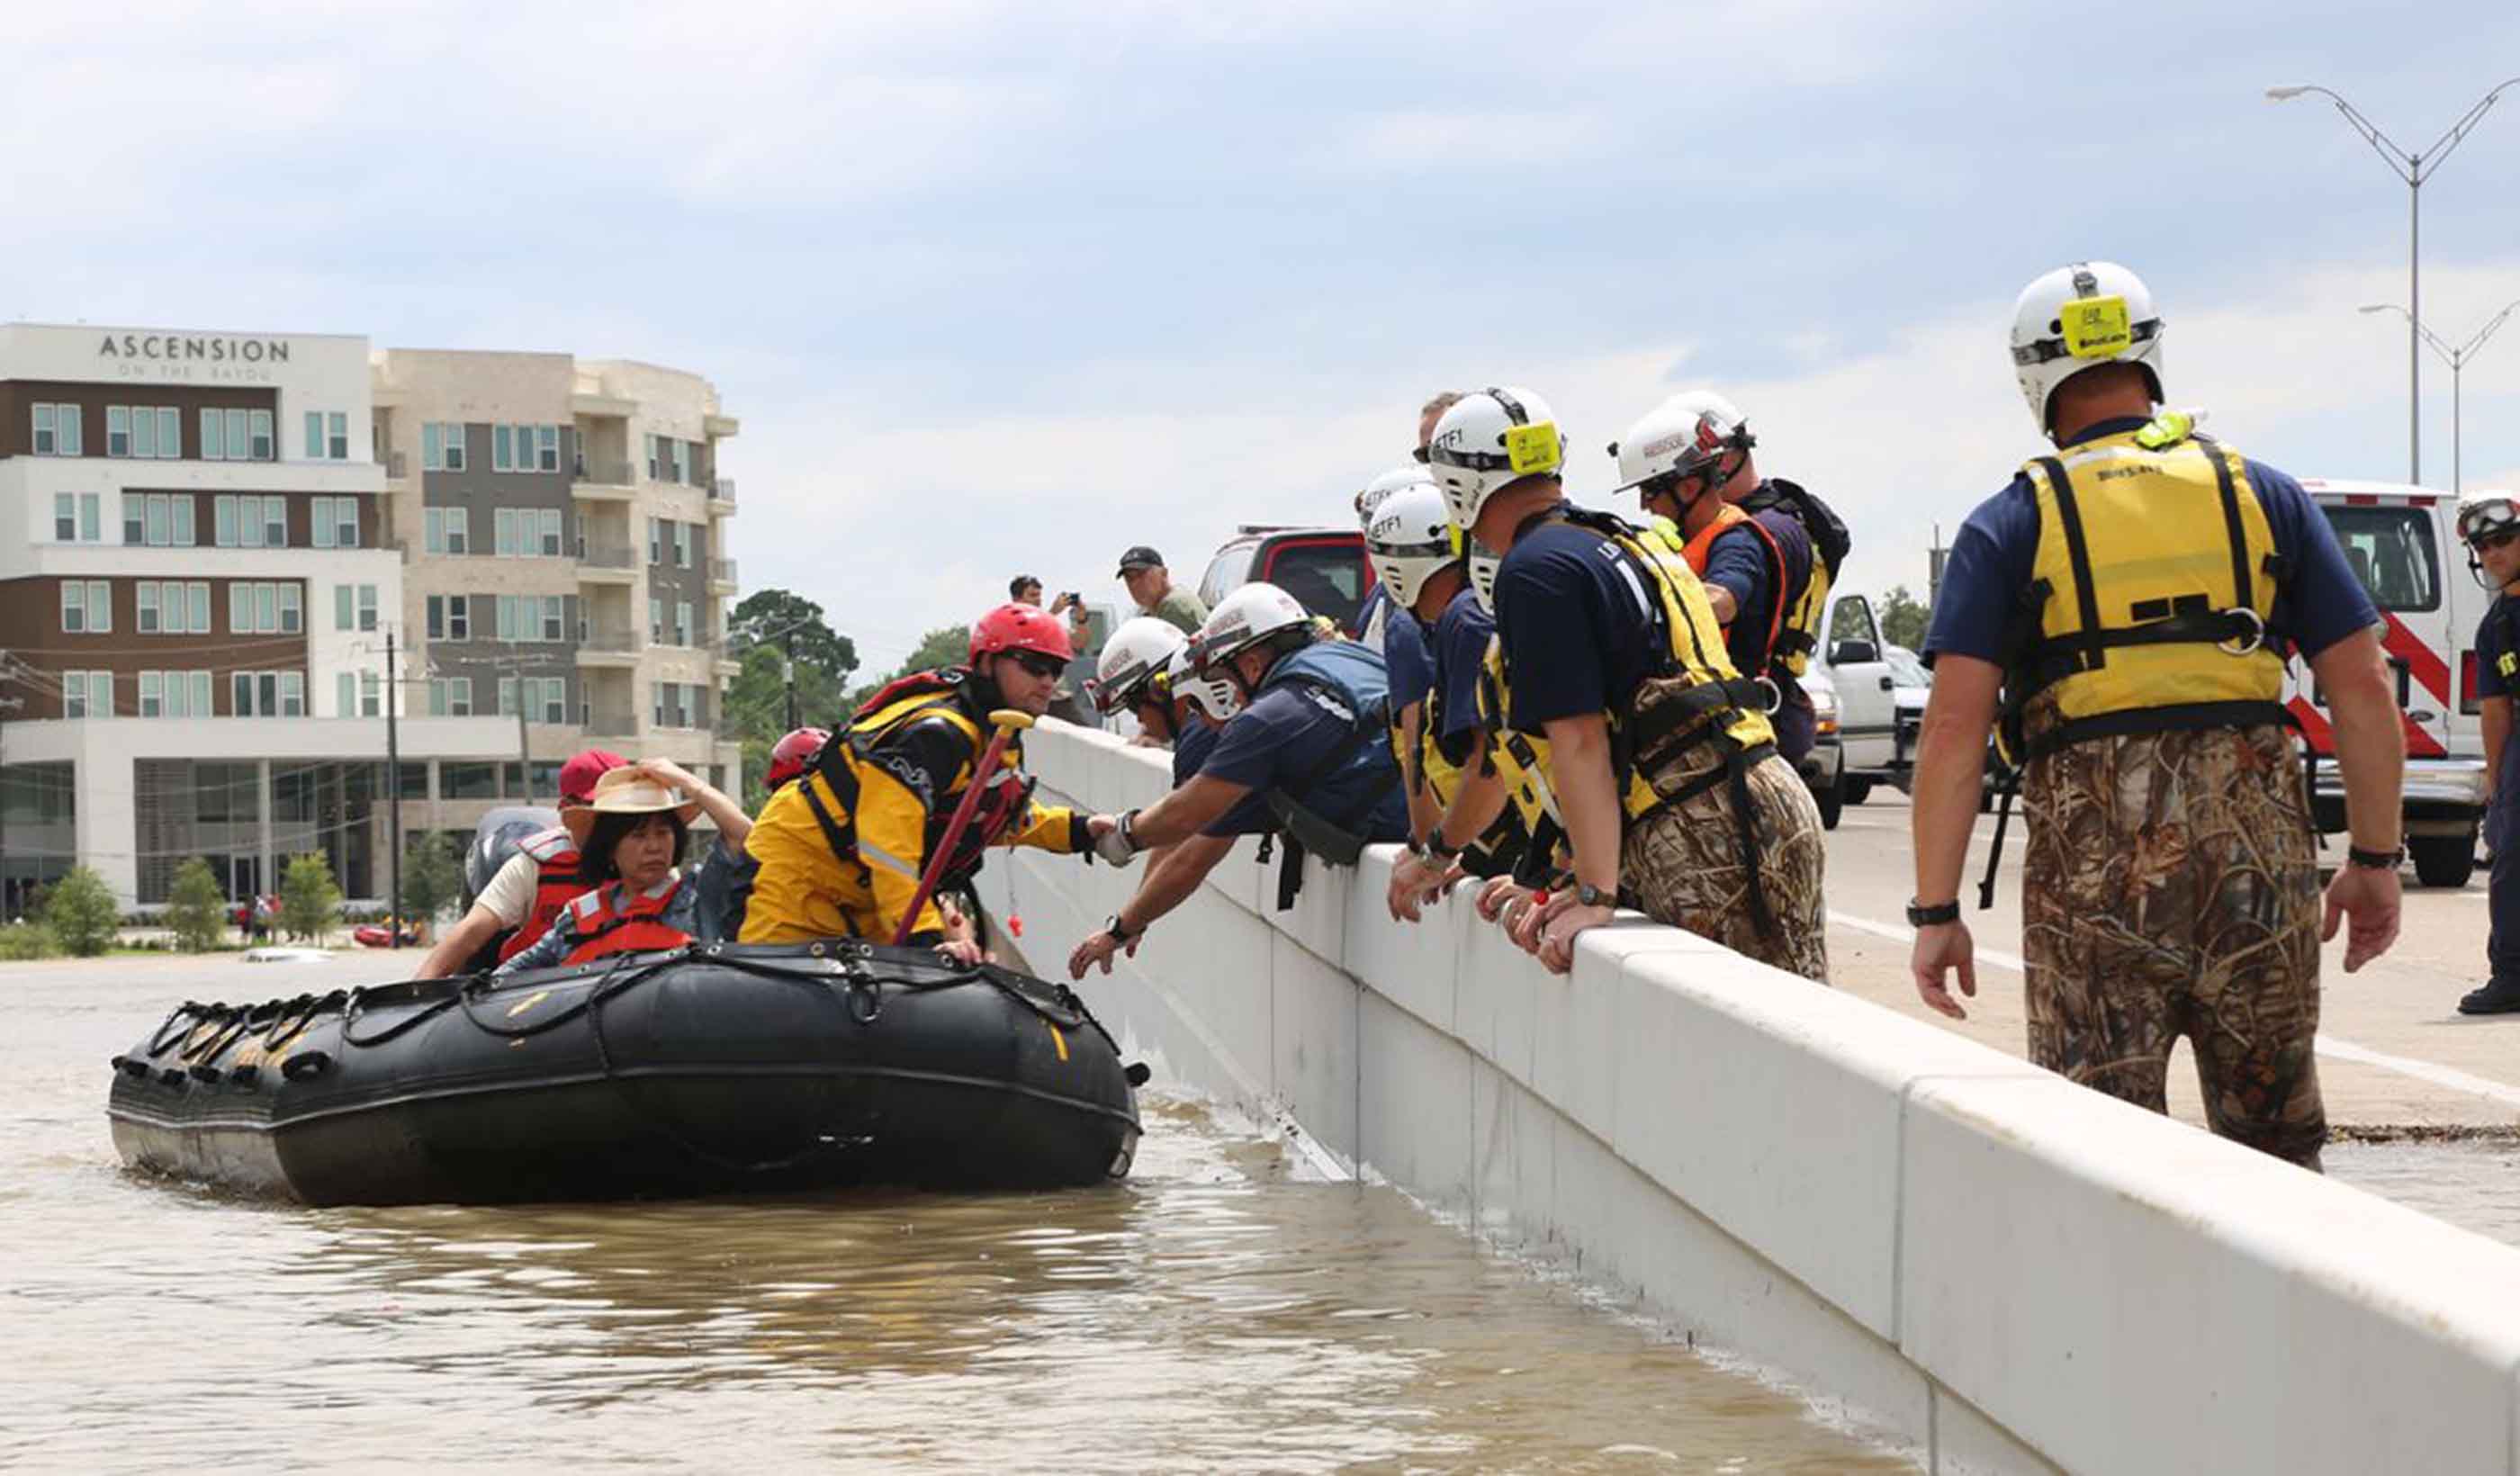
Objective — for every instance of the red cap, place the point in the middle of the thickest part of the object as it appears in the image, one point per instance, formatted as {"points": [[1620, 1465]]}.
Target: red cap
{"points": [[577, 776]]}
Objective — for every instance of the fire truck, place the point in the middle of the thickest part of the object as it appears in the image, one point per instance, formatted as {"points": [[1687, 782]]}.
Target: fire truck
{"points": [[2402, 543]]}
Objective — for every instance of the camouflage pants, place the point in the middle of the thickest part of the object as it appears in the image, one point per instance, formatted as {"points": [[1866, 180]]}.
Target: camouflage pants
{"points": [[1683, 865], [2169, 890]]}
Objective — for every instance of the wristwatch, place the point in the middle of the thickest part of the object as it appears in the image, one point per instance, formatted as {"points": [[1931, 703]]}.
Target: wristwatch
{"points": [[2379, 860], [1588, 895], [1438, 848], [1119, 934], [1935, 915]]}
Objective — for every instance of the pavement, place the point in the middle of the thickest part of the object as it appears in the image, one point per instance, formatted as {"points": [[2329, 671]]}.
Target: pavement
{"points": [[2394, 1054]]}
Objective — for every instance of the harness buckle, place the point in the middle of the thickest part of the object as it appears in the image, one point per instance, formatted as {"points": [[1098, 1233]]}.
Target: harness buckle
{"points": [[1776, 694], [2244, 645]]}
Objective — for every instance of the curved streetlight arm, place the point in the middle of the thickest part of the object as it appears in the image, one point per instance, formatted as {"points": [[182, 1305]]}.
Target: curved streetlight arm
{"points": [[2398, 159], [2491, 326], [2431, 158], [2447, 356]]}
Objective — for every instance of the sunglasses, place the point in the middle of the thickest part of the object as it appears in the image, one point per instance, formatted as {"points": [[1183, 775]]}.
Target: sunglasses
{"points": [[2494, 538], [1044, 667]]}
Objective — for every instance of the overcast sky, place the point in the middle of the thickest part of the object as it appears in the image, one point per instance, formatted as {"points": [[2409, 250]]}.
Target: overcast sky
{"points": [[1001, 288]]}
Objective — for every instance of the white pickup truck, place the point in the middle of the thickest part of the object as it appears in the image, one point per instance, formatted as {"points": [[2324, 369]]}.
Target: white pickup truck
{"points": [[1877, 700]]}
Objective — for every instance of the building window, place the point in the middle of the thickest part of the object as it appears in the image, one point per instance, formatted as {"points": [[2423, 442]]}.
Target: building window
{"points": [[78, 516], [503, 524], [266, 609], [450, 618], [236, 435], [655, 540], [175, 694], [525, 448], [448, 530], [87, 608], [441, 446], [251, 521], [173, 608], [328, 435], [267, 693], [337, 521], [547, 448], [551, 525], [681, 455], [682, 622], [682, 545], [359, 695], [87, 694], [159, 519], [145, 433], [503, 447], [655, 620], [656, 462], [57, 431], [354, 606]]}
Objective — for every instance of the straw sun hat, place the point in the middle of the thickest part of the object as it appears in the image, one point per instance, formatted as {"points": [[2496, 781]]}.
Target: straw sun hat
{"points": [[626, 792]]}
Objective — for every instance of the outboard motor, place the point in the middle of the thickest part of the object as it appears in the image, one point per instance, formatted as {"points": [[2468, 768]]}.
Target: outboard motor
{"points": [[495, 841]]}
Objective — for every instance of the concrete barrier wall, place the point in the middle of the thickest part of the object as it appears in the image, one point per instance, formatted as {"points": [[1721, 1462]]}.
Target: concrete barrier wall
{"points": [[1948, 1245]]}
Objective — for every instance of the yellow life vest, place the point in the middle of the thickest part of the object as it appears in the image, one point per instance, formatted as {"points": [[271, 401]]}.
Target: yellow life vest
{"points": [[2155, 573], [1522, 758]]}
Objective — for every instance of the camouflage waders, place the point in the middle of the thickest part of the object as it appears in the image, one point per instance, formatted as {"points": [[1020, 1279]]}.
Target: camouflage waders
{"points": [[2169, 890], [1683, 863]]}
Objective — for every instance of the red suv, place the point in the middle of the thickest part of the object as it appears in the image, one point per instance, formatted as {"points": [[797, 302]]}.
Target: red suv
{"points": [[1324, 569]]}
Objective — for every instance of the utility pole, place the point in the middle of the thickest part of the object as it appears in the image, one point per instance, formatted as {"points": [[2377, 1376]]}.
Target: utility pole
{"points": [[790, 642], [8, 894], [394, 789]]}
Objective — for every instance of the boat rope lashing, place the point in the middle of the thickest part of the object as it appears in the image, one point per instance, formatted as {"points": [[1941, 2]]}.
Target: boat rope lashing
{"points": [[356, 1008]]}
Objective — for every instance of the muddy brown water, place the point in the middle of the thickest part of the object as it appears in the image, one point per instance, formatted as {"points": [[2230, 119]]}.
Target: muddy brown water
{"points": [[1211, 1313]]}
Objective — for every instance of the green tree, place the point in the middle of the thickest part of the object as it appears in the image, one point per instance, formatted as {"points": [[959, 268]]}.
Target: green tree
{"points": [[195, 908], [945, 645], [1905, 618], [309, 900], [80, 912], [760, 634], [785, 620], [431, 878]]}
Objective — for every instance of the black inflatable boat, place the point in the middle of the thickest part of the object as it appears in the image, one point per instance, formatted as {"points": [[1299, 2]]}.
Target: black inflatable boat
{"points": [[709, 1069]]}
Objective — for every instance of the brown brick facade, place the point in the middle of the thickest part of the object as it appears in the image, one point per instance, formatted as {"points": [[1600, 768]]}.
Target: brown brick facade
{"points": [[30, 628], [19, 397]]}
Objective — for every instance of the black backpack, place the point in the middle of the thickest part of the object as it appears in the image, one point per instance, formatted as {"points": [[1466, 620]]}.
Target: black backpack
{"points": [[1831, 541]]}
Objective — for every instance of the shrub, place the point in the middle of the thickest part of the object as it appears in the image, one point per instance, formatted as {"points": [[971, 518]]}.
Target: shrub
{"points": [[81, 914], [432, 880], [23, 941], [310, 901], [195, 909]]}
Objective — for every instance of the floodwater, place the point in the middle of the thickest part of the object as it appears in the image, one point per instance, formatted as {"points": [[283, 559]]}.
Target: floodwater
{"points": [[2472, 1182], [1211, 1313]]}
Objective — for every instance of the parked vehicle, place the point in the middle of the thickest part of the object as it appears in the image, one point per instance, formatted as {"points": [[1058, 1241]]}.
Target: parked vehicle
{"points": [[1324, 568], [1854, 665], [2403, 544], [1823, 769]]}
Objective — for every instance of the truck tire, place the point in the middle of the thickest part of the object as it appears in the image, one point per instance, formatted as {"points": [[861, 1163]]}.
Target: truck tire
{"points": [[1857, 790], [2445, 860], [1833, 802]]}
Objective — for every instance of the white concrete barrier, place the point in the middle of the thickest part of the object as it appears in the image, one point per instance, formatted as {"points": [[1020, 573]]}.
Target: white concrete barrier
{"points": [[1952, 1247]]}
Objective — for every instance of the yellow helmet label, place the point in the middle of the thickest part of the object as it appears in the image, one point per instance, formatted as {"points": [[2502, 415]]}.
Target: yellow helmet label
{"points": [[2097, 327], [1533, 448]]}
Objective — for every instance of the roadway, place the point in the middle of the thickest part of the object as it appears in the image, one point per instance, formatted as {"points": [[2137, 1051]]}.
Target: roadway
{"points": [[2394, 1051]]}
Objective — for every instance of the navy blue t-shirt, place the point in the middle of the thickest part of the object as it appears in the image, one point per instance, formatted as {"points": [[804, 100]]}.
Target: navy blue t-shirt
{"points": [[1737, 562], [1578, 631], [1405, 660], [2318, 604], [2497, 674], [1190, 750], [1461, 644], [1279, 741]]}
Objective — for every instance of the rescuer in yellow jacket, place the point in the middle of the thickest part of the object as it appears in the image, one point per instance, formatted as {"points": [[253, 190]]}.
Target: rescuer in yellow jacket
{"points": [[841, 850]]}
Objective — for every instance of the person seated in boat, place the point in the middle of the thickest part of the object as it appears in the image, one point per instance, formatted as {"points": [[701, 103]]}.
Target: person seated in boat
{"points": [[630, 836], [842, 850], [543, 876]]}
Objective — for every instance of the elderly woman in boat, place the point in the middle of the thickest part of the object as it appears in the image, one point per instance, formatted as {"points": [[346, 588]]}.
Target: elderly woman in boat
{"points": [[631, 837]]}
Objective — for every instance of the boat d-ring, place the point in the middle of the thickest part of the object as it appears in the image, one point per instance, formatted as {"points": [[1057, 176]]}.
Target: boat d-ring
{"points": [[1776, 694], [2244, 645], [865, 1000]]}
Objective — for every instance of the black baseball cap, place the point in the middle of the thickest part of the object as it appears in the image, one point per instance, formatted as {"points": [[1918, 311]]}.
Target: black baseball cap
{"points": [[1140, 558]]}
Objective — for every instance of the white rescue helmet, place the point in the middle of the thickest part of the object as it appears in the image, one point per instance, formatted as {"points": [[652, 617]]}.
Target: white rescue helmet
{"points": [[1213, 696], [2079, 317], [1488, 440], [1483, 564], [1411, 537], [2488, 510], [1137, 652], [1243, 619], [1382, 486], [1684, 437]]}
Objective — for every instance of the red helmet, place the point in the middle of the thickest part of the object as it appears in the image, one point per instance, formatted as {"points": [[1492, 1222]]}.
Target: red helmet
{"points": [[1021, 627], [794, 755]]}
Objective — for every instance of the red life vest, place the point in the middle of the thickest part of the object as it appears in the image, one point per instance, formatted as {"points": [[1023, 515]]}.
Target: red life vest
{"points": [[602, 924], [558, 883]]}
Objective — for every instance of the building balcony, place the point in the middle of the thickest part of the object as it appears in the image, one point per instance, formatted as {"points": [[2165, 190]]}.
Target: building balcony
{"points": [[721, 576], [609, 649], [727, 668], [607, 563], [720, 424], [721, 495], [612, 723], [397, 465], [603, 481]]}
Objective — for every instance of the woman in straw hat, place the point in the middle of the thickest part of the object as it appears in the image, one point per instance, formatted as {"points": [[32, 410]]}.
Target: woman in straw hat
{"points": [[630, 837]]}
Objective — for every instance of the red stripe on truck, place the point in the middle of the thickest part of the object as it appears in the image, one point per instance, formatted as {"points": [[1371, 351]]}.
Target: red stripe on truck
{"points": [[2430, 674]]}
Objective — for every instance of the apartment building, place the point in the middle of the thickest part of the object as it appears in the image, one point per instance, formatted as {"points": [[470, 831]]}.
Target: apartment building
{"points": [[215, 534], [563, 522]]}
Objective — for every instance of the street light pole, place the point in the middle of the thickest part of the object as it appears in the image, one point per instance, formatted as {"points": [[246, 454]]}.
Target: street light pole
{"points": [[2413, 169], [394, 791], [2457, 359]]}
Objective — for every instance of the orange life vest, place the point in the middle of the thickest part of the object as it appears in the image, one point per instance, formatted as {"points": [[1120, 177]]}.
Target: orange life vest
{"points": [[1700, 547], [602, 924], [559, 882]]}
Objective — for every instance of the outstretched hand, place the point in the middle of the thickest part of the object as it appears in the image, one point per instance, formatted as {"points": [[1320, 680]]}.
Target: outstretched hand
{"points": [[2369, 899]]}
